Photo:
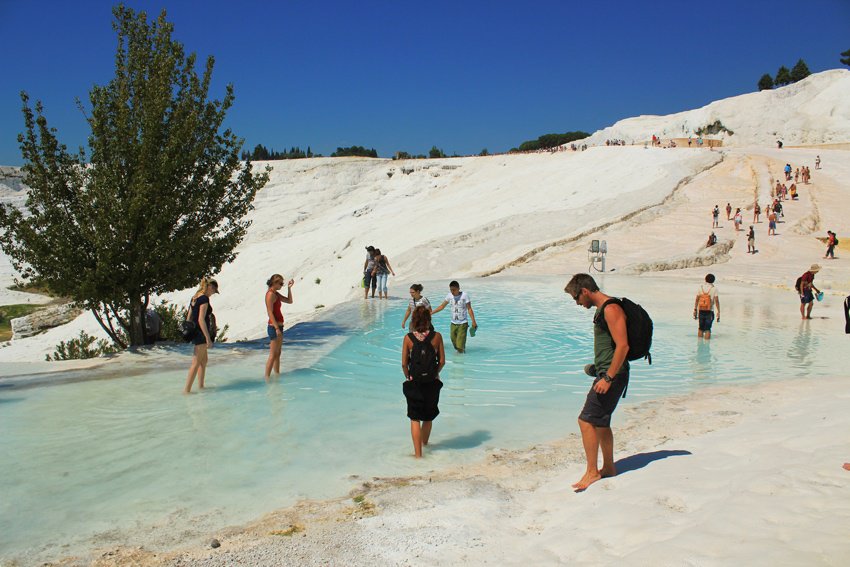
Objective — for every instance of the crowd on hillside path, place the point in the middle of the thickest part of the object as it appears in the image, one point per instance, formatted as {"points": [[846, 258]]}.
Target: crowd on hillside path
{"points": [[782, 191]]}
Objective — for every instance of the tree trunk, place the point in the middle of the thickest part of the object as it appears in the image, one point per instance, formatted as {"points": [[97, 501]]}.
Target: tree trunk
{"points": [[136, 331], [106, 323]]}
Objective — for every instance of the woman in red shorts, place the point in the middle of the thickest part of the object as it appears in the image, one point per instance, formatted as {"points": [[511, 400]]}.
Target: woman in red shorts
{"points": [[274, 299]]}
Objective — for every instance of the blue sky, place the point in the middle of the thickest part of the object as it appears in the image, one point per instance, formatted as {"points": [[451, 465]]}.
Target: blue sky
{"points": [[462, 75]]}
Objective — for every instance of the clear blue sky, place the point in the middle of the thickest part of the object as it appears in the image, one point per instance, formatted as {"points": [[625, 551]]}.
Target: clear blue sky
{"points": [[396, 75]]}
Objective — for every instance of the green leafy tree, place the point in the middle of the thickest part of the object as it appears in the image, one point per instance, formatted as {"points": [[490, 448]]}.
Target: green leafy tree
{"points": [[484, 152], [162, 200], [550, 141], [800, 71], [358, 151], [766, 82], [436, 152], [845, 58], [783, 77]]}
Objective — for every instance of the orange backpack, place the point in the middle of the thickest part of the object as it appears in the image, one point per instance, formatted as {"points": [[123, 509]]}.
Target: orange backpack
{"points": [[704, 302]]}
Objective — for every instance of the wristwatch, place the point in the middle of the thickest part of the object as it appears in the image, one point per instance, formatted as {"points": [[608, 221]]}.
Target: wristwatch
{"points": [[607, 378]]}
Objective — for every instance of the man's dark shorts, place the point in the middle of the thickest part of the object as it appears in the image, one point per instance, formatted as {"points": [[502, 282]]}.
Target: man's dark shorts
{"points": [[807, 297], [599, 407], [706, 318], [369, 280]]}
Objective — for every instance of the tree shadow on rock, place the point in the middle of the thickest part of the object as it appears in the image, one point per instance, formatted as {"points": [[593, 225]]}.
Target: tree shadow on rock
{"points": [[640, 460]]}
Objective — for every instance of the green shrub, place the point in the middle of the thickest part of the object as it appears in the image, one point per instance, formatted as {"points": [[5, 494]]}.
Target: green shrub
{"points": [[84, 346], [170, 316], [9, 312], [715, 128], [550, 141]]}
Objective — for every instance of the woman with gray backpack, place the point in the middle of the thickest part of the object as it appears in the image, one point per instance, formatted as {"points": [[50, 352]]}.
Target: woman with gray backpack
{"points": [[200, 316], [422, 358]]}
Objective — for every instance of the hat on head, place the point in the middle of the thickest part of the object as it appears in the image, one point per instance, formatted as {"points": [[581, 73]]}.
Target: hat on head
{"points": [[815, 268], [370, 248]]}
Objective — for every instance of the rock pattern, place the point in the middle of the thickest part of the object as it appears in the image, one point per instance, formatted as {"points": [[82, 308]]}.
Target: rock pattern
{"points": [[47, 318]]}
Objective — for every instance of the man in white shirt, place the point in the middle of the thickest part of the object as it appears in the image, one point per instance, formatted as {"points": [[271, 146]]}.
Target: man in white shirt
{"points": [[704, 305], [461, 314]]}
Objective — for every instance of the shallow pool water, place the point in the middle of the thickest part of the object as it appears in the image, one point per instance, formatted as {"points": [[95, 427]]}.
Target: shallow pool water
{"points": [[131, 460]]}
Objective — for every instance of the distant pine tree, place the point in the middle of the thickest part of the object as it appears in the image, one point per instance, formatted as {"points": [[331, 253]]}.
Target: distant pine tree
{"points": [[484, 152], [783, 77], [845, 58], [766, 82], [800, 71], [436, 152]]}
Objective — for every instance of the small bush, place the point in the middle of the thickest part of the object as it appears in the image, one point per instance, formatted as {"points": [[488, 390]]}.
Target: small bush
{"points": [[318, 281], [170, 316], [714, 128], [84, 346], [9, 312]]}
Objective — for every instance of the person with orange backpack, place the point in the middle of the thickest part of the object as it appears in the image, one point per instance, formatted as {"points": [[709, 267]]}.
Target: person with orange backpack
{"points": [[705, 304]]}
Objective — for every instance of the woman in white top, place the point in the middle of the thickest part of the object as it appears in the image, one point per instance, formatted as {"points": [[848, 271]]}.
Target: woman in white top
{"points": [[416, 299]]}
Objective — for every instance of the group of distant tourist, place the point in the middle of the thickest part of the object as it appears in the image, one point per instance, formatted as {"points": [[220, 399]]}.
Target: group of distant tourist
{"points": [[376, 273], [779, 192]]}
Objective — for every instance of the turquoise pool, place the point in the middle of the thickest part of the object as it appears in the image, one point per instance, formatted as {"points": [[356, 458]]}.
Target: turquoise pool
{"points": [[89, 462]]}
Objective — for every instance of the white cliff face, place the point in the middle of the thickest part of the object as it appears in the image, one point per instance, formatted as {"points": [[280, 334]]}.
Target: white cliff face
{"points": [[815, 110]]}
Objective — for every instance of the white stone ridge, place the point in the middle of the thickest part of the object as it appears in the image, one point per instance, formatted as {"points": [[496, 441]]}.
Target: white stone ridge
{"points": [[813, 111]]}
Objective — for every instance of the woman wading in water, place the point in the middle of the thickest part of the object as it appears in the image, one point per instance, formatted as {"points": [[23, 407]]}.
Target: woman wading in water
{"points": [[422, 358], [201, 314], [275, 327], [416, 299], [382, 273]]}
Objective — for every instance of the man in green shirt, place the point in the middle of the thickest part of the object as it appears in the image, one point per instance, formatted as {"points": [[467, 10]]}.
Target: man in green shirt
{"points": [[611, 370]]}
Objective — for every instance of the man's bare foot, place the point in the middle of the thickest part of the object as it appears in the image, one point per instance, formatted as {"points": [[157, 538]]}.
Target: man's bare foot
{"points": [[608, 472], [586, 481]]}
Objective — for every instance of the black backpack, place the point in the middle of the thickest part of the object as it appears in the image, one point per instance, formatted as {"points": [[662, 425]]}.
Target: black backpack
{"points": [[798, 283], [423, 362], [638, 327]]}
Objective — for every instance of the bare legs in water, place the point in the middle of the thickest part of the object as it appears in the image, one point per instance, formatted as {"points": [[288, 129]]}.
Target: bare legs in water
{"points": [[420, 432]]}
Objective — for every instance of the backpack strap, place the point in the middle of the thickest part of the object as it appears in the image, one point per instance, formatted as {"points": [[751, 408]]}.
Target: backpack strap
{"points": [[599, 318]]}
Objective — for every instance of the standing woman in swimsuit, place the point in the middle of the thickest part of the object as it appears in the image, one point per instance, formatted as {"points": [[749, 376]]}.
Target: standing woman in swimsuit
{"points": [[201, 314], [275, 326]]}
